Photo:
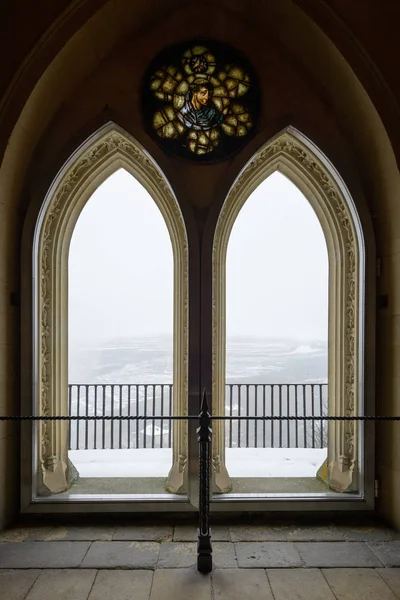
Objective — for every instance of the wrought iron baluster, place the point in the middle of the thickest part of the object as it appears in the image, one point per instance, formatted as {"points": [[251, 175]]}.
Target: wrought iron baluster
{"points": [[313, 414], [304, 415], [103, 423], [112, 414], [162, 414], [280, 414], [272, 414], [78, 423], [296, 431], [95, 423], [121, 387], [170, 414], [240, 413], [247, 391], [264, 409], [145, 421], [129, 414], [87, 414], [153, 419], [287, 414], [204, 431], [256, 413], [70, 413], [230, 414], [137, 413], [321, 423]]}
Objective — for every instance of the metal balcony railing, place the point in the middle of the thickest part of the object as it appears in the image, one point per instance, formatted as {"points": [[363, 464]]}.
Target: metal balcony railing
{"points": [[204, 438], [280, 400]]}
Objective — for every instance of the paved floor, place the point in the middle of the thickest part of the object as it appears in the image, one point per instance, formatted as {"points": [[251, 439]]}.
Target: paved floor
{"points": [[157, 562]]}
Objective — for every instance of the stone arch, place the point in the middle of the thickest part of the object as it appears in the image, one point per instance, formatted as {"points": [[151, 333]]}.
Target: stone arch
{"points": [[105, 152], [297, 157]]}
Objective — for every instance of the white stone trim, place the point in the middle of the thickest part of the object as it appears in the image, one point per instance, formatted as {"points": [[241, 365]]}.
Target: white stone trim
{"points": [[105, 152], [297, 158]]}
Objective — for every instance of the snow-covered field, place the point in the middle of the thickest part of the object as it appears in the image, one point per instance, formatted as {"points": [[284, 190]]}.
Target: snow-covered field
{"points": [[241, 462]]}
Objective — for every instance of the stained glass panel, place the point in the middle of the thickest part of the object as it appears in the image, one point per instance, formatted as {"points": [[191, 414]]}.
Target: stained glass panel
{"points": [[201, 100]]}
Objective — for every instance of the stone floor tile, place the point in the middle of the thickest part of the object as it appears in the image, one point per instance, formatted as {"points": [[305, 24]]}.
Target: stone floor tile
{"points": [[185, 533], [392, 578], [249, 584], [337, 554], [327, 533], [223, 555], [252, 533], [63, 584], [42, 555], [220, 533], [177, 555], [299, 584], [354, 584], [25, 534], [387, 552], [145, 533], [123, 555], [180, 584], [267, 555], [17, 583], [368, 533], [189, 533], [80, 533], [122, 585]]}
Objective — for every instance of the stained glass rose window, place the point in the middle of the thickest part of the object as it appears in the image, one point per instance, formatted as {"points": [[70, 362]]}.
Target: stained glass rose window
{"points": [[201, 100]]}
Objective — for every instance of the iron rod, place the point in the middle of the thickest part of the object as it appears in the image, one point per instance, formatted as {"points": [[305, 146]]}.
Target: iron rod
{"points": [[162, 413], [112, 414], [304, 414], [87, 413], [154, 421], [129, 414], [204, 432], [170, 414], [78, 414], [137, 412], [69, 412]]}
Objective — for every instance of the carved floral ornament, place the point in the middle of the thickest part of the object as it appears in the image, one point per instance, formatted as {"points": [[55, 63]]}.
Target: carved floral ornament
{"points": [[109, 146], [290, 149]]}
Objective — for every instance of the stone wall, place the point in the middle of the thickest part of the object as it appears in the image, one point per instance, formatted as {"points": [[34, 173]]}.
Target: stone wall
{"points": [[95, 75]]}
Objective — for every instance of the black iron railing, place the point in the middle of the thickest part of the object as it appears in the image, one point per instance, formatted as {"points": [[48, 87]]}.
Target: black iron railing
{"points": [[120, 400], [156, 400], [204, 432], [204, 437]]}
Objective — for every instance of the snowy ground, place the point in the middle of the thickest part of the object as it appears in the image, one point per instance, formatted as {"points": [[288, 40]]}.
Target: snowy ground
{"points": [[241, 462]]}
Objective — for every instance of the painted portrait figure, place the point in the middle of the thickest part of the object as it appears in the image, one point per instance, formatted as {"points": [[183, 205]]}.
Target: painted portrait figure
{"points": [[199, 112], [201, 100]]}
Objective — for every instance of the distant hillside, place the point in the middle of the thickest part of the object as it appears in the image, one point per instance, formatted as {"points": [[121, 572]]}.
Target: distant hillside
{"points": [[149, 360]]}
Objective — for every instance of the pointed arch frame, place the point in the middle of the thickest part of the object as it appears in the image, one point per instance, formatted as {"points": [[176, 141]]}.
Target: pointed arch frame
{"points": [[105, 152], [299, 159]]}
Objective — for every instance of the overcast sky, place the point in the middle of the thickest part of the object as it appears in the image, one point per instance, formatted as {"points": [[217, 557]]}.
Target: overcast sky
{"points": [[277, 266], [120, 264], [121, 271]]}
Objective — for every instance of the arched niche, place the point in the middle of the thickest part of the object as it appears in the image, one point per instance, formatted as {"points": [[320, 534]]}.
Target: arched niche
{"points": [[104, 153], [295, 156]]}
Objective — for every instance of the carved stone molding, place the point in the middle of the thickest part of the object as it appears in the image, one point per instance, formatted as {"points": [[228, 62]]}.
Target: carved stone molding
{"points": [[108, 150], [291, 154]]}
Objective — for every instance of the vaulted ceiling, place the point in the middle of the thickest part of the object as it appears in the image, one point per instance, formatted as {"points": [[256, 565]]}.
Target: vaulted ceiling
{"points": [[366, 34]]}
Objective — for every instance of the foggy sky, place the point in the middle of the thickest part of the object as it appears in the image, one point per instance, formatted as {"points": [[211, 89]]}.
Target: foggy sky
{"points": [[120, 264], [277, 266], [121, 268]]}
